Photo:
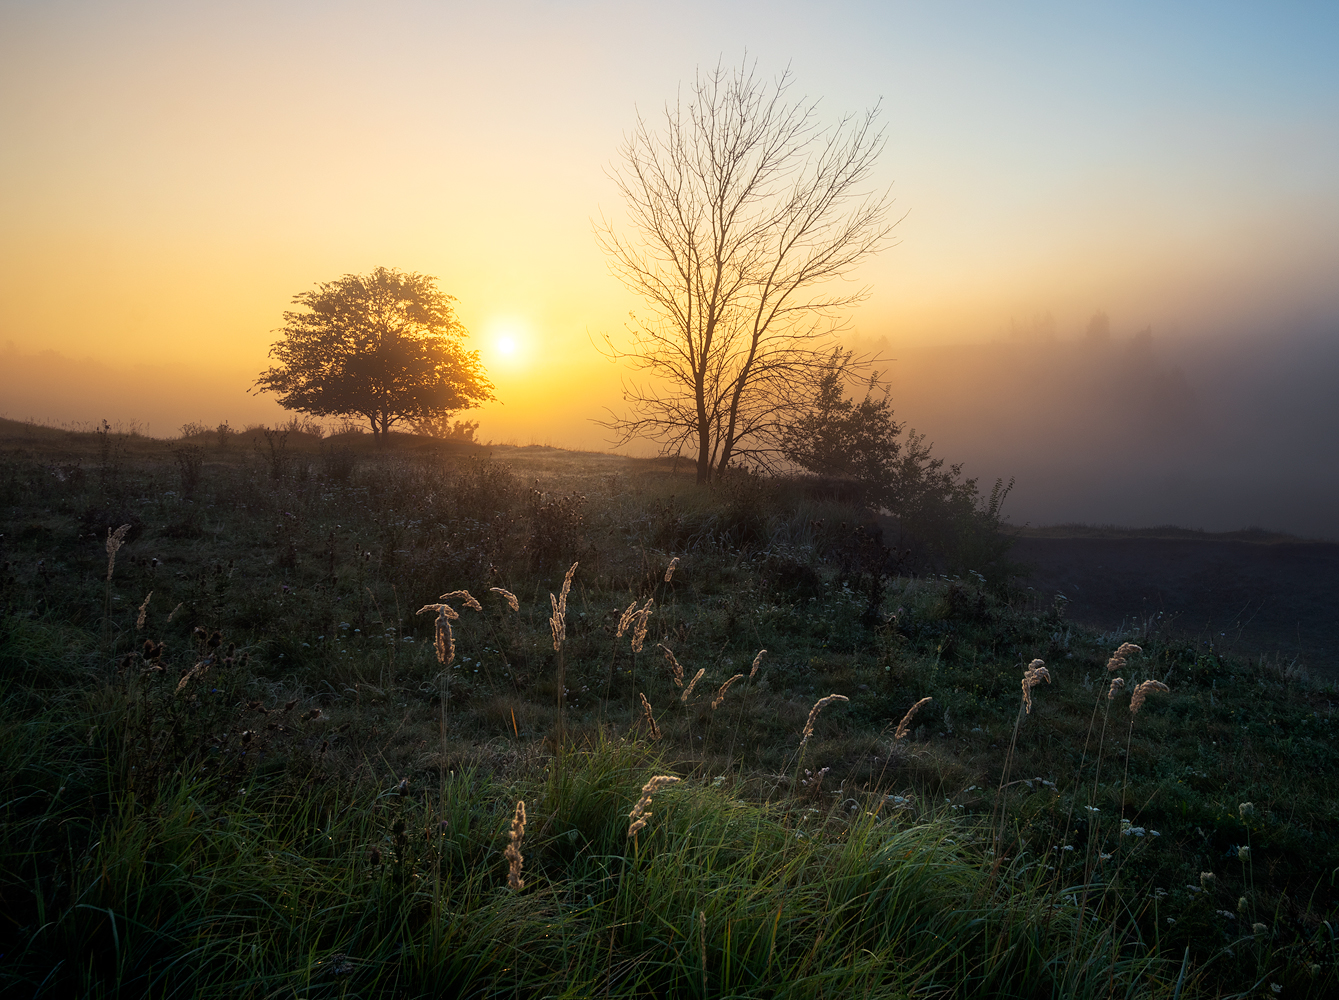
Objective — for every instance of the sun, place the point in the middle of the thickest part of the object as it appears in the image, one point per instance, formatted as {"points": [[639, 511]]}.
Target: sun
{"points": [[508, 339]]}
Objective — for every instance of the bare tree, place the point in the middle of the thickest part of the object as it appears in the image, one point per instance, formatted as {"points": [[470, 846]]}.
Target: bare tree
{"points": [[743, 208]]}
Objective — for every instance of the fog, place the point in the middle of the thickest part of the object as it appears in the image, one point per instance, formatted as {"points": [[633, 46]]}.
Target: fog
{"points": [[1216, 431]]}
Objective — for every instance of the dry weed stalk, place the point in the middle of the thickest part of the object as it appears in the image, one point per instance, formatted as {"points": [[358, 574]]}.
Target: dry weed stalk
{"points": [[813, 715], [558, 620], [720, 693], [1141, 692], [676, 671], [669, 570], [903, 727], [691, 684], [641, 812], [650, 718], [143, 611], [625, 619], [444, 641], [508, 596], [1035, 673], [513, 852], [757, 662], [639, 625], [115, 539], [1123, 652]]}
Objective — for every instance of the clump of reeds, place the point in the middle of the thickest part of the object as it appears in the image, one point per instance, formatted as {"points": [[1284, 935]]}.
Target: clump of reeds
{"points": [[1035, 673], [691, 684], [819, 705], [652, 728], [717, 701], [904, 727], [641, 812], [513, 852]]}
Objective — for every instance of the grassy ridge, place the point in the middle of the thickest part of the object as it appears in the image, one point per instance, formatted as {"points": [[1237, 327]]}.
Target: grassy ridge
{"points": [[240, 828]]}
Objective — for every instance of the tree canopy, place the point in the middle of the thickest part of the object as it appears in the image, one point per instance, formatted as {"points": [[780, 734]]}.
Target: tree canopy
{"points": [[743, 210], [384, 346]]}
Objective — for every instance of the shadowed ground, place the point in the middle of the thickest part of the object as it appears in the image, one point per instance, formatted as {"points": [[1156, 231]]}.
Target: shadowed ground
{"points": [[1249, 593]]}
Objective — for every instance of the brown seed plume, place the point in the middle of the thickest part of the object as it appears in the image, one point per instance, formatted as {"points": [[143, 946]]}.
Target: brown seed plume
{"points": [[444, 640], [513, 852], [720, 693], [903, 727], [691, 684], [1141, 692], [650, 718], [757, 662], [625, 619], [669, 570], [463, 595], [1035, 673], [508, 596], [558, 620], [813, 715], [1117, 684], [676, 671], [639, 625], [641, 812], [1123, 652]]}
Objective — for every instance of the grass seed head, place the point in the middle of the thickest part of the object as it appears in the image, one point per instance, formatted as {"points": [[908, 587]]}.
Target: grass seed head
{"points": [[813, 715], [757, 662], [1141, 692], [1118, 658], [639, 626], [1035, 673], [143, 612], [904, 726], [676, 671], [669, 570], [513, 852], [444, 639], [463, 595], [720, 693], [641, 812], [507, 596], [115, 539], [691, 684], [625, 619], [650, 718]]}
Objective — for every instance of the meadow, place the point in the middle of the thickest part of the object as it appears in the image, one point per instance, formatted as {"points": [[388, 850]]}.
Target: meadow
{"points": [[282, 715]]}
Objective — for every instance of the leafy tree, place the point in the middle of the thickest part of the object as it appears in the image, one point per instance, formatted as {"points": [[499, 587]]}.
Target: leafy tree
{"points": [[384, 346], [744, 211], [840, 437]]}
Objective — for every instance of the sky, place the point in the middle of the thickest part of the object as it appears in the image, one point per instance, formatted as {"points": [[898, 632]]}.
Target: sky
{"points": [[172, 174]]}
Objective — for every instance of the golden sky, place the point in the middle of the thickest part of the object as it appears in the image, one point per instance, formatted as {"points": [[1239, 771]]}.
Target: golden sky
{"points": [[171, 174]]}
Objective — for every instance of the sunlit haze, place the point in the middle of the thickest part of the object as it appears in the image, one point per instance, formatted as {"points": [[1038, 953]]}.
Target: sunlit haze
{"points": [[171, 175]]}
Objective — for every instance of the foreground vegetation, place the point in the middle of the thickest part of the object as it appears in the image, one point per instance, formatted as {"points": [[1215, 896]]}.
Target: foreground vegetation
{"points": [[232, 761]]}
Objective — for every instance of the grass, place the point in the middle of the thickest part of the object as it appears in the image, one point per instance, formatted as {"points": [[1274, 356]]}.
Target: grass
{"points": [[297, 798]]}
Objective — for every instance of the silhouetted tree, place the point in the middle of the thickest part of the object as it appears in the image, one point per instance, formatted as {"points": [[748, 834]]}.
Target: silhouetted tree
{"points": [[742, 209], [384, 346]]}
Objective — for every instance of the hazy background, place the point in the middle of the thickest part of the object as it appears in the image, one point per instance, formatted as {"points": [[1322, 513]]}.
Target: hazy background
{"points": [[171, 174]]}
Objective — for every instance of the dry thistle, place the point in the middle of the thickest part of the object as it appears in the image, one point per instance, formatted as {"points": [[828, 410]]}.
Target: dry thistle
{"points": [[676, 671], [650, 718], [1117, 661], [1117, 684], [813, 715], [625, 619], [691, 684], [641, 811], [902, 727], [513, 852], [720, 693], [464, 595], [757, 662], [1141, 692], [639, 625], [143, 612], [669, 570], [444, 639], [508, 596], [1035, 673], [115, 539]]}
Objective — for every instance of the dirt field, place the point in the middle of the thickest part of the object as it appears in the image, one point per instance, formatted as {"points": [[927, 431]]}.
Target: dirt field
{"points": [[1250, 593]]}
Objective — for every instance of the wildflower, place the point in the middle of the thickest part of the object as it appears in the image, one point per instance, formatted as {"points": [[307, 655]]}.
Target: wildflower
{"points": [[1257, 930], [1035, 673], [903, 727], [1246, 810], [1243, 854], [1206, 880], [641, 812], [813, 715]]}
